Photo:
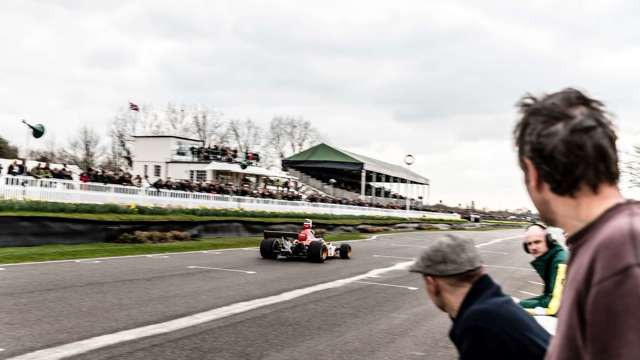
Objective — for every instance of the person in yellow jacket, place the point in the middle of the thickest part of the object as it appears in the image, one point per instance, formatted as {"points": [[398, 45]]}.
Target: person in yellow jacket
{"points": [[550, 262]]}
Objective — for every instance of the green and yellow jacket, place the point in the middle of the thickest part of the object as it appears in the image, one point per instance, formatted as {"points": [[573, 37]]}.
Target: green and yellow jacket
{"points": [[552, 268]]}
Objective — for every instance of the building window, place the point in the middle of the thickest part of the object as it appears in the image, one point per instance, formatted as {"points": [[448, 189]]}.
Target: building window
{"points": [[156, 170], [146, 170], [198, 175]]}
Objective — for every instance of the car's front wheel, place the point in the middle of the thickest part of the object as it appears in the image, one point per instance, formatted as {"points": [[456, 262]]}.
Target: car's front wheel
{"points": [[345, 251]]}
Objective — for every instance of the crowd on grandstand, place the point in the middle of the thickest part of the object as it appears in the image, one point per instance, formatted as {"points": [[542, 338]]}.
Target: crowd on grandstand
{"points": [[270, 189], [222, 153], [40, 171]]}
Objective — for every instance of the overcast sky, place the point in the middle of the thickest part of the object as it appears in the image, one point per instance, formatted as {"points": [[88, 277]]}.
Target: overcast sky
{"points": [[436, 79]]}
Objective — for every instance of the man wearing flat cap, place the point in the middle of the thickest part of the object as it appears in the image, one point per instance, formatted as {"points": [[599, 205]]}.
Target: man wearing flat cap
{"points": [[487, 324]]}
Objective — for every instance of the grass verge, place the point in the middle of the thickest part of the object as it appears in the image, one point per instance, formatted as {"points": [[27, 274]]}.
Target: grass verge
{"points": [[13, 255]]}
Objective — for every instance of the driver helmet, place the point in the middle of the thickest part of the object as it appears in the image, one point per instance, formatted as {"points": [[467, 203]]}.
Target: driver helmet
{"points": [[307, 224]]}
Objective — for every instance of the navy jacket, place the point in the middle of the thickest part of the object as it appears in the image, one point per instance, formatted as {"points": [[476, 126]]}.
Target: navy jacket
{"points": [[489, 325]]}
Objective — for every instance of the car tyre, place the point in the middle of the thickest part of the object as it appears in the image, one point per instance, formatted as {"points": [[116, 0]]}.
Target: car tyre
{"points": [[268, 248], [345, 251], [318, 251]]}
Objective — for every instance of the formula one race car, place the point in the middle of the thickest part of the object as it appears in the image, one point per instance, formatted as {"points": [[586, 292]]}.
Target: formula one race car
{"points": [[280, 244]]}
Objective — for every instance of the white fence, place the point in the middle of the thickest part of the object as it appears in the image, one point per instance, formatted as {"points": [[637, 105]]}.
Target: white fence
{"points": [[27, 188]]}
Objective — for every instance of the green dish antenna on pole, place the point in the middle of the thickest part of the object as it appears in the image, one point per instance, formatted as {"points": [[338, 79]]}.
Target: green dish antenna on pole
{"points": [[37, 129]]}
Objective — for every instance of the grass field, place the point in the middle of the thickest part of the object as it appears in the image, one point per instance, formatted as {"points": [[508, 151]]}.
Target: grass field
{"points": [[12, 255]]}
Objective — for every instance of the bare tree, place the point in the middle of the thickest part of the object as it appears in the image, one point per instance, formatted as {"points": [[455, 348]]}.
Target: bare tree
{"points": [[246, 135], [7, 150], [208, 125], [177, 121], [85, 150], [277, 139], [123, 127], [632, 167], [289, 135], [50, 153]]}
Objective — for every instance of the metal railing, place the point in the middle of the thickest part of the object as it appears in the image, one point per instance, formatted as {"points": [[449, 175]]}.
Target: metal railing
{"points": [[55, 190]]}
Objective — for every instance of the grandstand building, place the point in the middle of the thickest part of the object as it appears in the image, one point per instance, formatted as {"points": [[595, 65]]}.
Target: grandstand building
{"points": [[181, 158], [342, 173]]}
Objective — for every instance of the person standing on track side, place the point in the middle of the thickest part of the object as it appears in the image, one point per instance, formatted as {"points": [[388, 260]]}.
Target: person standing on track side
{"points": [[550, 262], [566, 147], [487, 324]]}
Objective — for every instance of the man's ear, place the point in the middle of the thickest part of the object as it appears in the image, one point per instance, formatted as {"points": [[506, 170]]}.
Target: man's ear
{"points": [[532, 177], [432, 284]]}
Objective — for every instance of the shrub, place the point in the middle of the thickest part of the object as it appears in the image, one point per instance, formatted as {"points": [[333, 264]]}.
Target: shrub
{"points": [[152, 237], [179, 236], [127, 238]]}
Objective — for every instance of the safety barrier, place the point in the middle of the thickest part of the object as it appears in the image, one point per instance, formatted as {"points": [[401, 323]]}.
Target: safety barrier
{"points": [[54, 190]]}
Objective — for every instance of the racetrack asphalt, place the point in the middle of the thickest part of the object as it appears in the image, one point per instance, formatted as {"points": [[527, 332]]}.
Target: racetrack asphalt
{"points": [[46, 306]]}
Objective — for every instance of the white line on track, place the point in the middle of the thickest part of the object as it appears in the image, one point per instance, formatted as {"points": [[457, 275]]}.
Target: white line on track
{"points": [[412, 246], [83, 346], [88, 261], [499, 240], [527, 293], [117, 257], [221, 269], [155, 256], [390, 285], [417, 353], [394, 257], [509, 267], [2, 269], [536, 283], [494, 252]]}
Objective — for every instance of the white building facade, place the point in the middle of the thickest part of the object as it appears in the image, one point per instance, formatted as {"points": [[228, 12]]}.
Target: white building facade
{"points": [[163, 156]]}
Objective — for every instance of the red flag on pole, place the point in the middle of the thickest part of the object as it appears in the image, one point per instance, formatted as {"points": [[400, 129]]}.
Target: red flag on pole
{"points": [[134, 107]]}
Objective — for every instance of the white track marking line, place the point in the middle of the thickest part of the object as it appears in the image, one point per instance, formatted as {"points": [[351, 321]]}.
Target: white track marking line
{"points": [[211, 252], [390, 285], [412, 246], [2, 269], [477, 245], [394, 257], [509, 267], [527, 293], [417, 353], [88, 261], [499, 240], [83, 346], [494, 252], [536, 283], [221, 269], [157, 256]]}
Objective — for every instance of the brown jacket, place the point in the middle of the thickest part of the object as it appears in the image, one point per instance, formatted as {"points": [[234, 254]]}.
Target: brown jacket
{"points": [[600, 313]]}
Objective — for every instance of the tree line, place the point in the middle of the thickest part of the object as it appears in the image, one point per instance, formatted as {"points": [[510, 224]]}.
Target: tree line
{"points": [[284, 136]]}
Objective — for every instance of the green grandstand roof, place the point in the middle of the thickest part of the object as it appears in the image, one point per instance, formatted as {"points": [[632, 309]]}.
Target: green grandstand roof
{"points": [[323, 153]]}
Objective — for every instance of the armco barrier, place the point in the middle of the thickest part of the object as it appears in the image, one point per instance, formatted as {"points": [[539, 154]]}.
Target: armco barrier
{"points": [[28, 188]]}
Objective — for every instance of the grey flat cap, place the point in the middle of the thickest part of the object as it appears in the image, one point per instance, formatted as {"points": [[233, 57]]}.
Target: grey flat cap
{"points": [[451, 255]]}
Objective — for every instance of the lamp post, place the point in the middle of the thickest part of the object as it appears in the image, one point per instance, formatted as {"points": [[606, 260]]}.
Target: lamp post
{"points": [[333, 188], [408, 160]]}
